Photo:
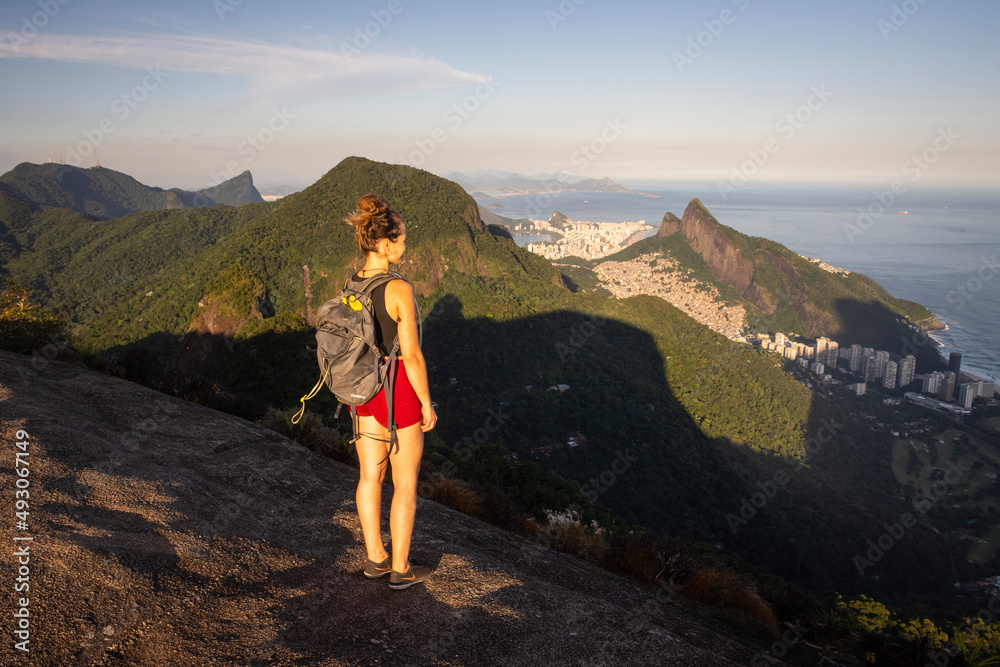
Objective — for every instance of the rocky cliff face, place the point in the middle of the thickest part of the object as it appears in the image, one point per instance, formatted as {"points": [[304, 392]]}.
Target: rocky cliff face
{"points": [[709, 240], [166, 533], [234, 297]]}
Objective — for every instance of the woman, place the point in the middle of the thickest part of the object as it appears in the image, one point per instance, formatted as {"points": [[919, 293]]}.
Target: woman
{"points": [[381, 235]]}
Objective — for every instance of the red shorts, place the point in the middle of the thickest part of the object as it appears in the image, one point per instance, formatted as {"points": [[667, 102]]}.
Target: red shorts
{"points": [[405, 407]]}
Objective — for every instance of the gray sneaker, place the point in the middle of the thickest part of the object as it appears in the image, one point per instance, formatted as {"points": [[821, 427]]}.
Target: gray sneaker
{"points": [[414, 574], [375, 570]]}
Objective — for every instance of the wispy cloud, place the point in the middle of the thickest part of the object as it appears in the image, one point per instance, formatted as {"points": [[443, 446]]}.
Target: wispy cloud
{"points": [[271, 69]]}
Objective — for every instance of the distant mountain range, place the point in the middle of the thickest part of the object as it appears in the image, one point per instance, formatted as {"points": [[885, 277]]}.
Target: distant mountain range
{"points": [[495, 182], [104, 193]]}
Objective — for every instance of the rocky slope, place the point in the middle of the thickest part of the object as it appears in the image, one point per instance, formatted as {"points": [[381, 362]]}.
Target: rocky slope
{"points": [[169, 534]]}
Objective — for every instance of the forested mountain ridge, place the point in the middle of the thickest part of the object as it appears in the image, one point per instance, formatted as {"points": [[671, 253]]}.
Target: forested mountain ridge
{"points": [[105, 193], [699, 420]]}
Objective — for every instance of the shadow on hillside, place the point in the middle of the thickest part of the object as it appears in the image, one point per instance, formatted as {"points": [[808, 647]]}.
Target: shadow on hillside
{"points": [[588, 397], [873, 325]]}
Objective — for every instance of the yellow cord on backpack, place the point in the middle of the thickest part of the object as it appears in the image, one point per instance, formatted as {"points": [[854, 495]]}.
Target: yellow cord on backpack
{"points": [[312, 392]]}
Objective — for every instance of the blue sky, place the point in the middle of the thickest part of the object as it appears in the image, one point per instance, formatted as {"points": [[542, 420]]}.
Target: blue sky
{"points": [[186, 93]]}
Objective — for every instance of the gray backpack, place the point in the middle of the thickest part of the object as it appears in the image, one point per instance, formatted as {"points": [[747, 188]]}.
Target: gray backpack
{"points": [[350, 361]]}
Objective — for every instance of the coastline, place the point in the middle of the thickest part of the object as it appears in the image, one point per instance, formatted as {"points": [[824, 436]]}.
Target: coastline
{"points": [[924, 267], [935, 325]]}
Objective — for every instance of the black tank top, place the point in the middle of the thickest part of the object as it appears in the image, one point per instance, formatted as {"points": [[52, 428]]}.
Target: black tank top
{"points": [[386, 328]]}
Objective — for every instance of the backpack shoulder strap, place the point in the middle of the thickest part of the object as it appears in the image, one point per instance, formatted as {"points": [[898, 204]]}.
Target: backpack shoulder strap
{"points": [[368, 284]]}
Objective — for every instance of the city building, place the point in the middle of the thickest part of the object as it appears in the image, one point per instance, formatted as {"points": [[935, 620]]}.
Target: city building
{"points": [[869, 365], [817, 368], [967, 394], [931, 382], [907, 369], [955, 363], [855, 358], [946, 388], [889, 379], [832, 353], [881, 361], [821, 347], [860, 388], [984, 388]]}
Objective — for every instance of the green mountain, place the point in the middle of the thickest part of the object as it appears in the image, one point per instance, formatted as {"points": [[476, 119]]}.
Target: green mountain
{"points": [[661, 420], [105, 193]]}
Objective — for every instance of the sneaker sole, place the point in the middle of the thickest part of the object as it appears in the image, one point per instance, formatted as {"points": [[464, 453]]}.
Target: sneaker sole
{"points": [[376, 576], [401, 586]]}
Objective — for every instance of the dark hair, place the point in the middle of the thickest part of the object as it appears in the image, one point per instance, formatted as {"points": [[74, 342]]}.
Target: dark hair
{"points": [[374, 221]]}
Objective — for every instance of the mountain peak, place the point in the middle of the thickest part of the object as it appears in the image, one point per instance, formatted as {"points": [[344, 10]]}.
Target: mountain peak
{"points": [[558, 220], [670, 224], [236, 191]]}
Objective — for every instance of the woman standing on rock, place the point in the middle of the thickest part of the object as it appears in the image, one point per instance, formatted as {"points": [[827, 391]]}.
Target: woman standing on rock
{"points": [[381, 236]]}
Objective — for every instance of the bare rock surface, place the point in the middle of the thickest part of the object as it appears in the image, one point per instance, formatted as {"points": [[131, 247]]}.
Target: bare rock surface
{"points": [[166, 533]]}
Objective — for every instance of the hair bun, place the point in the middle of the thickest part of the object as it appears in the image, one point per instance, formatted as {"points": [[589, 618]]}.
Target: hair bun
{"points": [[372, 205]]}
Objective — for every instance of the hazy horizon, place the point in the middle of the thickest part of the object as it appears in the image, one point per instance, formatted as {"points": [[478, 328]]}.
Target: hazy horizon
{"points": [[729, 91]]}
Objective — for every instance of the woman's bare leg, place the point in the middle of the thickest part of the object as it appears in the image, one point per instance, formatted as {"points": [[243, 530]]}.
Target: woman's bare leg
{"points": [[373, 462], [405, 469]]}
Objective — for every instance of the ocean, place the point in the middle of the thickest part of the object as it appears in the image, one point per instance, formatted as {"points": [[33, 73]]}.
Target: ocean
{"points": [[943, 252]]}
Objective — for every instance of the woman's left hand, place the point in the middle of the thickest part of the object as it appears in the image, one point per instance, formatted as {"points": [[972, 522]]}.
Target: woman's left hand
{"points": [[428, 417]]}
